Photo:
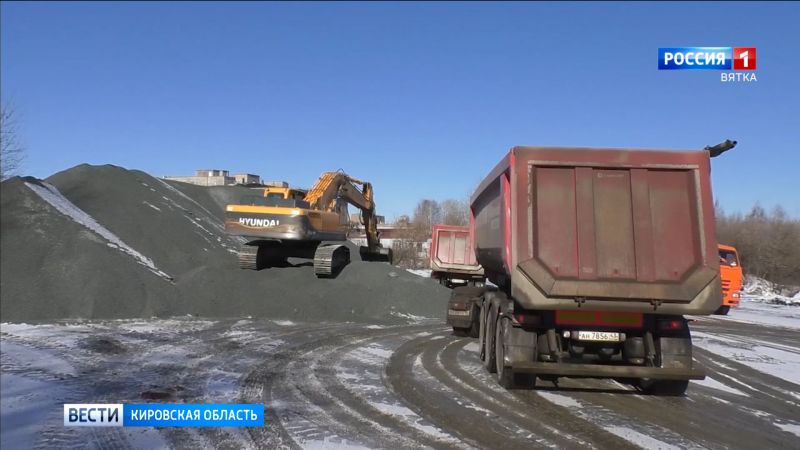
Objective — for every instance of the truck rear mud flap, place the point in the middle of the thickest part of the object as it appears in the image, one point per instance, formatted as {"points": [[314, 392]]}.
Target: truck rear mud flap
{"points": [[606, 371]]}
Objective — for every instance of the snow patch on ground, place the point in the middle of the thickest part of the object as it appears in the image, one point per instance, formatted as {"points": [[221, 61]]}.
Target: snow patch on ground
{"points": [[790, 427], [152, 206], [764, 314], [408, 316], [425, 273], [714, 384], [26, 405], [770, 360], [642, 440], [560, 400], [331, 444], [52, 196], [610, 420], [284, 323]]}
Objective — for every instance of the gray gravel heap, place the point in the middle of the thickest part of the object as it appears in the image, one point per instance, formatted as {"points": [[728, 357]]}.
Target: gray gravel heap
{"points": [[52, 267]]}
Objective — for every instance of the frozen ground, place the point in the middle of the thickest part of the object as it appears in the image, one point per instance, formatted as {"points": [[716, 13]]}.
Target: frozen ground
{"points": [[335, 385]]}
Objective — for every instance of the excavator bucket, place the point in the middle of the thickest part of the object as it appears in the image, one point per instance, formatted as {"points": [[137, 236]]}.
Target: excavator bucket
{"points": [[379, 255]]}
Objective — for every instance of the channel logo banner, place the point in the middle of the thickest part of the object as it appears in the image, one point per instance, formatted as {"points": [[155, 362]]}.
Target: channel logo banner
{"points": [[695, 58], [163, 415]]}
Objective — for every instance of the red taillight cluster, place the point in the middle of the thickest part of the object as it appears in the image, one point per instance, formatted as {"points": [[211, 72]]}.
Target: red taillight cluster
{"points": [[671, 324], [527, 319]]}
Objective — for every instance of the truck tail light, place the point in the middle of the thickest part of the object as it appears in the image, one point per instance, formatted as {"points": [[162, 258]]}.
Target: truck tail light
{"points": [[671, 325], [527, 319]]}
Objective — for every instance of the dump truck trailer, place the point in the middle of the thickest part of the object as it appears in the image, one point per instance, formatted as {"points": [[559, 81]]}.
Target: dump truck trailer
{"points": [[597, 255], [453, 264], [452, 257]]}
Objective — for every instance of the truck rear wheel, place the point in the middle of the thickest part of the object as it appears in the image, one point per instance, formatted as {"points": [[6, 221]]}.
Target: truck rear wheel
{"points": [[461, 332], [672, 350], [506, 376], [490, 361], [474, 330], [670, 388], [482, 331]]}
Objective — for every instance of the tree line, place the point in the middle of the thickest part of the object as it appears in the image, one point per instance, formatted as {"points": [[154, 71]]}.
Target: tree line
{"points": [[416, 228], [768, 243]]}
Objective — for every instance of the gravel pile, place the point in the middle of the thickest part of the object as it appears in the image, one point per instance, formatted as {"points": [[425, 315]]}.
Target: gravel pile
{"points": [[105, 242]]}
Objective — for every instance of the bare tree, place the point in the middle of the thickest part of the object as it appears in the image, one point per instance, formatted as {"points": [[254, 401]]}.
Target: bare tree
{"points": [[768, 244], [455, 212], [12, 152], [427, 213]]}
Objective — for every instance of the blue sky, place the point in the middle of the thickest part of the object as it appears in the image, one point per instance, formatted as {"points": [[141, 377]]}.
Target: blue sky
{"points": [[420, 99]]}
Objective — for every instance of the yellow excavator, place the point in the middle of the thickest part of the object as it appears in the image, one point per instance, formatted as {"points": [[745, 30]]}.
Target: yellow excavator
{"points": [[287, 222]]}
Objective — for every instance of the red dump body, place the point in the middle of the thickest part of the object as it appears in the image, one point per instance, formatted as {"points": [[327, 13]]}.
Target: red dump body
{"points": [[602, 229], [452, 251]]}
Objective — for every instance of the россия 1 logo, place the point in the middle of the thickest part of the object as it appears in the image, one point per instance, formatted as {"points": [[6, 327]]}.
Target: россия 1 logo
{"points": [[739, 62]]}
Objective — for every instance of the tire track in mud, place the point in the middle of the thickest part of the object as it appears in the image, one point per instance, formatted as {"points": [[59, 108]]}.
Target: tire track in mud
{"points": [[709, 417], [465, 366], [441, 405], [492, 416], [329, 371], [274, 374]]}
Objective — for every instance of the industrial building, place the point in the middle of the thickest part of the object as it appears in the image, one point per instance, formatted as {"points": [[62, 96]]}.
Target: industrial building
{"points": [[216, 177]]}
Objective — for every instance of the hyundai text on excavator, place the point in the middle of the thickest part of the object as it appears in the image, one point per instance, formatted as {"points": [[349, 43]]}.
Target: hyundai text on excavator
{"points": [[286, 222]]}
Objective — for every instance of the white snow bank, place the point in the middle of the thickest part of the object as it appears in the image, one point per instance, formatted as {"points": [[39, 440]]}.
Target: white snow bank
{"points": [[425, 273], [52, 196], [762, 291]]}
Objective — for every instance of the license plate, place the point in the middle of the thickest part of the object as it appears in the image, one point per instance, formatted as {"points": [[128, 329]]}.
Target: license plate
{"points": [[454, 312], [598, 336]]}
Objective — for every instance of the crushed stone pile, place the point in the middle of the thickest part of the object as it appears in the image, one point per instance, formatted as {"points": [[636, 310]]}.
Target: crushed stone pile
{"points": [[103, 242]]}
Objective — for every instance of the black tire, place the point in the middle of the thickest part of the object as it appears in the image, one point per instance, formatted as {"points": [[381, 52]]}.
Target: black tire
{"points": [[723, 310], [474, 330], [482, 333], [461, 332], [505, 375], [667, 388], [490, 361]]}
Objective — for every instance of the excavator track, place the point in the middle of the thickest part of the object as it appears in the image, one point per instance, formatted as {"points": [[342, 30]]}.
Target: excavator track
{"points": [[329, 259], [248, 257]]}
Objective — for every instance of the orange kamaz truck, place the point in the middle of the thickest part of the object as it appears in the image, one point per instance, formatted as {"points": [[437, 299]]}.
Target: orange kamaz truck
{"points": [[730, 272]]}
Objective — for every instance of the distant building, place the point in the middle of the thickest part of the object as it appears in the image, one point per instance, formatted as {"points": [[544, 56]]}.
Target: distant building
{"points": [[389, 235], [355, 219], [216, 177], [247, 178]]}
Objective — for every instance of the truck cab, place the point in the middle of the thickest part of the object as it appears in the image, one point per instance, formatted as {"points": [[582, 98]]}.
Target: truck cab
{"points": [[730, 271]]}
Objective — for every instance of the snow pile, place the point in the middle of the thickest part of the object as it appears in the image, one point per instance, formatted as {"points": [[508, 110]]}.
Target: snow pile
{"points": [[762, 291], [425, 273], [52, 196]]}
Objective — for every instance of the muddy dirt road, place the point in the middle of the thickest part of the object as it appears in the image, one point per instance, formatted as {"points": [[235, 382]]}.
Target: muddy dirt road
{"points": [[351, 386]]}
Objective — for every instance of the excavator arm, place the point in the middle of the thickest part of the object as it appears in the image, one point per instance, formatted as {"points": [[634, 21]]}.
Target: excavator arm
{"points": [[332, 186]]}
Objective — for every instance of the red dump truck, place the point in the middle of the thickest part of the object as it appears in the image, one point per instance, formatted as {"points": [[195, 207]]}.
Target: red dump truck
{"points": [[597, 254], [453, 264], [452, 257]]}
